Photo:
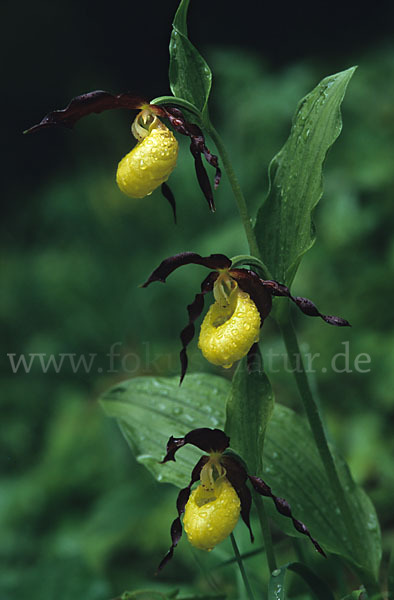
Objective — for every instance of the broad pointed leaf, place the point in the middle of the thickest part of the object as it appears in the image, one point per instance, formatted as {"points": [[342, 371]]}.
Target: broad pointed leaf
{"points": [[249, 408], [151, 409], [284, 227], [190, 76]]}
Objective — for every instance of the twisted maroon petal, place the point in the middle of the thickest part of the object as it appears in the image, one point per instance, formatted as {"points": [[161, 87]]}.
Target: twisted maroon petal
{"points": [[305, 305], [202, 176], [197, 148], [169, 196], [283, 507], [183, 497], [194, 311], [86, 104], [170, 264]]}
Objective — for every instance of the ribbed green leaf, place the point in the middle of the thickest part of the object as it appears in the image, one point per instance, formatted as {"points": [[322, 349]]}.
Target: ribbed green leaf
{"points": [[284, 227], [151, 409], [249, 408], [190, 76], [276, 586], [292, 467]]}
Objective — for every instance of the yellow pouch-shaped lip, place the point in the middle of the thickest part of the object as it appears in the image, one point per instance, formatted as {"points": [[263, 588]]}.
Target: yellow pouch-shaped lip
{"points": [[149, 164], [211, 515], [228, 333]]}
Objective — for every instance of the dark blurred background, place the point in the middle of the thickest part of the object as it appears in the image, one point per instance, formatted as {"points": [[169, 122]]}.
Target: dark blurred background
{"points": [[79, 517]]}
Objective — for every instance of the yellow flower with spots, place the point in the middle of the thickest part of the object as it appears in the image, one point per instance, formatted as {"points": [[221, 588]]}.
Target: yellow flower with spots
{"points": [[231, 325], [211, 511], [243, 300], [150, 163]]}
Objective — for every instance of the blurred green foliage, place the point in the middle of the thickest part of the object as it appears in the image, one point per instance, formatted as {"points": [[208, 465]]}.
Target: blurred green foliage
{"points": [[79, 518]]}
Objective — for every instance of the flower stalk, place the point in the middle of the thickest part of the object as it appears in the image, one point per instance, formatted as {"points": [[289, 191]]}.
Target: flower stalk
{"points": [[241, 567], [240, 199], [266, 531]]}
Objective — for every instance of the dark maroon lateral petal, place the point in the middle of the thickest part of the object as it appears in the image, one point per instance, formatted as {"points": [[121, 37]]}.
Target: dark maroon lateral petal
{"points": [[187, 334], [202, 176], [197, 148], [304, 304], [183, 497], [170, 264], [283, 507], [169, 196], [250, 283], [86, 104], [237, 476], [194, 311], [309, 308]]}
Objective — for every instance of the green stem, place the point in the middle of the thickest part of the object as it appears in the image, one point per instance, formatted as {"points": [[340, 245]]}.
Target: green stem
{"points": [[317, 428], [254, 250], [239, 197], [265, 528], [241, 568]]}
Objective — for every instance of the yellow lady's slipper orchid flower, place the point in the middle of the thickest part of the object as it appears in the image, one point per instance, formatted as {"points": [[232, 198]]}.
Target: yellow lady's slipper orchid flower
{"points": [[211, 511], [228, 331], [151, 161], [243, 300], [211, 515]]}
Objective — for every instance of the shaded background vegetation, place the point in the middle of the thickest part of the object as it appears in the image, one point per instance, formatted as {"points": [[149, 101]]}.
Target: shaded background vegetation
{"points": [[79, 518]]}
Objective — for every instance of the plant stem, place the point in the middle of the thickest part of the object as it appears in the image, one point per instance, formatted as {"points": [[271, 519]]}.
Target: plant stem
{"points": [[254, 250], [317, 428], [265, 528], [239, 197], [241, 568]]}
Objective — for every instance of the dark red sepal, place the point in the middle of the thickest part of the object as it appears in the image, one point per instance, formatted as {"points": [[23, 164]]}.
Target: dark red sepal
{"points": [[202, 176], [86, 104], [208, 440], [237, 476], [305, 305], [283, 507], [197, 148], [183, 497], [169, 196], [167, 266], [194, 311], [250, 283]]}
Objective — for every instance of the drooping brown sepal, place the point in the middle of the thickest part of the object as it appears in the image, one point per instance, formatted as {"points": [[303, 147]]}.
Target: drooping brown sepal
{"points": [[86, 104], [194, 311], [170, 264], [197, 148], [169, 196], [283, 507]]}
